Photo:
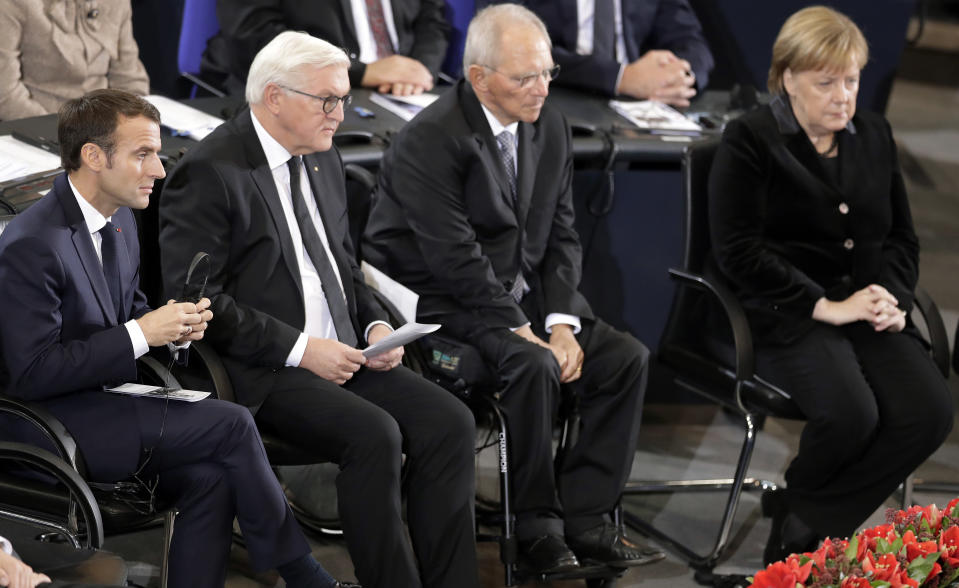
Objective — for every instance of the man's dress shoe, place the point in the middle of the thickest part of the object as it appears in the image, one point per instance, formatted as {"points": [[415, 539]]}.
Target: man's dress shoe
{"points": [[547, 554], [607, 544]]}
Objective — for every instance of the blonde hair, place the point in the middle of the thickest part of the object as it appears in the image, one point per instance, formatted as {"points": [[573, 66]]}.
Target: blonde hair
{"points": [[815, 38]]}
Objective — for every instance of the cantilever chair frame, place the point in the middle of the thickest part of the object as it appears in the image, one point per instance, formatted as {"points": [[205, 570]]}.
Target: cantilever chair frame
{"points": [[76, 502], [751, 397]]}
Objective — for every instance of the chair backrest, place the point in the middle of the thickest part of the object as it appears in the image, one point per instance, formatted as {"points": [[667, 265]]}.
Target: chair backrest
{"points": [[688, 308], [360, 183], [198, 25], [458, 14]]}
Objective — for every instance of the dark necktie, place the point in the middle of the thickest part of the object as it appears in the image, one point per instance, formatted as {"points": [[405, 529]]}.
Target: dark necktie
{"points": [[109, 246], [374, 13], [506, 142], [321, 261], [604, 30]]}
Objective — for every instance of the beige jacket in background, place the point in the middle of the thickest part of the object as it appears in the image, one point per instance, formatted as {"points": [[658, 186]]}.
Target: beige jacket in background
{"points": [[54, 50]]}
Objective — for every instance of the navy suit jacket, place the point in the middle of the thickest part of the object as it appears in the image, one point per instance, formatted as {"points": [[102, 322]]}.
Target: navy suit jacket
{"points": [[221, 198], [60, 339], [443, 222], [247, 25], [647, 24]]}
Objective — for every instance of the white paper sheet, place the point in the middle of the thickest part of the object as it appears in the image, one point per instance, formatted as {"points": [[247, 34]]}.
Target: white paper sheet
{"points": [[159, 392], [183, 119], [401, 336], [18, 159]]}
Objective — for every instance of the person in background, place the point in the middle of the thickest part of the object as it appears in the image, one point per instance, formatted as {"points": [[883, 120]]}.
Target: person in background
{"points": [[651, 49], [54, 50], [395, 46], [810, 225], [14, 573]]}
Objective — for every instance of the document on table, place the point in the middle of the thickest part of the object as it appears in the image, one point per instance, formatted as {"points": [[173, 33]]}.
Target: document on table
{"points": [[655, 117], [18, 159], [159, 392], [401, 336], [183, 119], [405, 107]]}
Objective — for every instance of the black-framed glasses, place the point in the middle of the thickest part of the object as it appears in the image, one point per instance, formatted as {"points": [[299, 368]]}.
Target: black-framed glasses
{"points": [[528, 80], [329, 102]]}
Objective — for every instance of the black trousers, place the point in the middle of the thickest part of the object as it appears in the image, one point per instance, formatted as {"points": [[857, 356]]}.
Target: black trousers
{"points": [[212, 468], [364, 427], [610, 398], [877, 407]]}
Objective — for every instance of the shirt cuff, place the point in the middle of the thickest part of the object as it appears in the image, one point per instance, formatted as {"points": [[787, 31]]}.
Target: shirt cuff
{"points": [[299, 348], [558, 318], [619, 78], [5, 546], [366, 333], [514, 329], [139, 340]]}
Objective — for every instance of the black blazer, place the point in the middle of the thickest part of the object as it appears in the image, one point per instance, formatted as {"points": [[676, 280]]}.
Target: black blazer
{"points": [[247, 25], [647, 24], [785, 234], [59, 334], [221, 199], [443, 223]]}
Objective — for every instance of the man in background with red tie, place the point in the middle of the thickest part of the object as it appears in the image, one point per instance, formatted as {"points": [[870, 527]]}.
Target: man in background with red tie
{"points": [[264, 195], [395, 46]]}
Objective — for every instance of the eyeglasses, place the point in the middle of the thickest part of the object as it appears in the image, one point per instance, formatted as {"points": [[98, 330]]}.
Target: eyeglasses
{"points": [[527, 81], [329, 102]]}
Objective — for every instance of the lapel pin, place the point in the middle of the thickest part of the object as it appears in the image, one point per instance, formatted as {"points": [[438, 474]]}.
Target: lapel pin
{"points": [[316, 168]]}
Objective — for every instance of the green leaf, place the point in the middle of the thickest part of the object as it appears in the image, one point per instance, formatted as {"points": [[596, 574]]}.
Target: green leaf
{"points": [[920, 567], [852, 549]]}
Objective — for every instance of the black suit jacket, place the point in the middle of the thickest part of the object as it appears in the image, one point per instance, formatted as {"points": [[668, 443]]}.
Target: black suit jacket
{"points": [[777, 224], [221, 199], [443, 222], [647, 24], [247, 25], [59, 334]]}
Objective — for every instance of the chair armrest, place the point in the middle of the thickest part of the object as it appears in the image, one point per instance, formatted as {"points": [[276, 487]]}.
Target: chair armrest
{"points": [[65, 474], [46, 423], [938, 339], [222, 387], [742, 337]]}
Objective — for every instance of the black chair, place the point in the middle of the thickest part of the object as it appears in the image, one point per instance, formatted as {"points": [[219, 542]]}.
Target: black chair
{"points": [[52, 491], [76, 560], [733, 385]]}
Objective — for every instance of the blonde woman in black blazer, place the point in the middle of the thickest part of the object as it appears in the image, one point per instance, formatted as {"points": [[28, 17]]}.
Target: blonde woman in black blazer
{"points": [[810, 224]]}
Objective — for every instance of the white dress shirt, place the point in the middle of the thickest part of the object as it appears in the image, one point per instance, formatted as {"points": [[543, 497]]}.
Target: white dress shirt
{"points": [[554, 318], [96, 221], [364, 34], [5, 546], [318, 320]]}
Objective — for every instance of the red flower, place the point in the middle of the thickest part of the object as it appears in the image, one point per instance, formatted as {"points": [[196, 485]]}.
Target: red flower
{"points": [[916, 549], [855, 582], [782, 575], [949, 544]]}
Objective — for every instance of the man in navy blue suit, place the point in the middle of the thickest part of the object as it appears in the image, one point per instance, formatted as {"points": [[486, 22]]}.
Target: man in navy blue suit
{"points": [[640, 48], [74, 322]]}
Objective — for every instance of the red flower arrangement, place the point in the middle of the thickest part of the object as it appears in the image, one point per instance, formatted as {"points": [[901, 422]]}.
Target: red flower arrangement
{"points": [[916, 548]]}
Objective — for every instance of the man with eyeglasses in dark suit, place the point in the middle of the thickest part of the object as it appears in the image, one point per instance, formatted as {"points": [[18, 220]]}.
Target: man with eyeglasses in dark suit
{"points": [[264, 194], [474, 213]]}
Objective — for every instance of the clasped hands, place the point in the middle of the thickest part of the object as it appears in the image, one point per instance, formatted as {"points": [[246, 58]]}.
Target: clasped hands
{"points": [[659, 75], [565, 348], [337, 362], [398, 75], [873, 304]]}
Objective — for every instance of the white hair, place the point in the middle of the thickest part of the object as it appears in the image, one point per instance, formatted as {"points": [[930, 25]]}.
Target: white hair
{"points": [[283, 60], [486, 28]]}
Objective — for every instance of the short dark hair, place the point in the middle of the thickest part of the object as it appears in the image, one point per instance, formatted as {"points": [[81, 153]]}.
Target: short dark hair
{"points": [[93, 118]]}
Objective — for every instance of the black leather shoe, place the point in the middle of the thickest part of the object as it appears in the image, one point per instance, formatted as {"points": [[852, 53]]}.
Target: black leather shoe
{"points": [[607, 544], [547, 554]]}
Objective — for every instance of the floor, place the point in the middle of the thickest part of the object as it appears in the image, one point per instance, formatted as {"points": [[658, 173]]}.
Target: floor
{"points": [[699, 441]]}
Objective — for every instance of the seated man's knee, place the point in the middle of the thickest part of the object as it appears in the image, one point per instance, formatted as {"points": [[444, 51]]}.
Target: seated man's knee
{"points": [[379, 439]]}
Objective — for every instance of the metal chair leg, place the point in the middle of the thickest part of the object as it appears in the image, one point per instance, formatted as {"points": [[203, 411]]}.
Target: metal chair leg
{"points": [[508, 547], [169, 518], [735, 486]]}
